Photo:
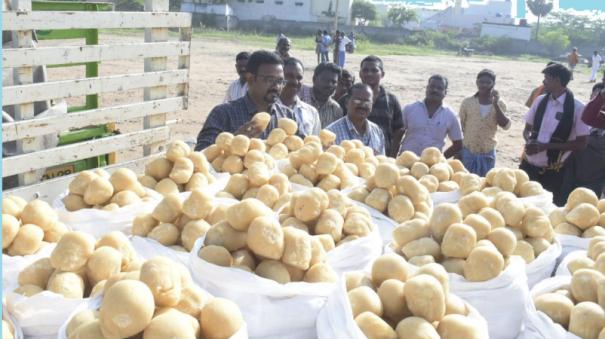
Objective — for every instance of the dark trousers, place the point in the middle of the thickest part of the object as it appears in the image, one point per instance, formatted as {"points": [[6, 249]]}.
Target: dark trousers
{"points": [[551, 180]]}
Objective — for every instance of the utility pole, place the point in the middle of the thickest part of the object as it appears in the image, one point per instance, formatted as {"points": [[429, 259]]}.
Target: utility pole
{"points": [[336, 16]]}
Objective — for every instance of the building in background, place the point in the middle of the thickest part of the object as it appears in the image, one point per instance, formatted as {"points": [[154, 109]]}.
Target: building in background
{"points": [[303, 11]]}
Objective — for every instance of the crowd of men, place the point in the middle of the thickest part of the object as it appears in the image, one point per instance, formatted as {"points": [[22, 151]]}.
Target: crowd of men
{"points": [[564, 139]]}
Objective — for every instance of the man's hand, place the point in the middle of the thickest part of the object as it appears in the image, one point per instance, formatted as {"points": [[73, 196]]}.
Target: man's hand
{"points": [[250, 129], [534, 147], [495, 97]]}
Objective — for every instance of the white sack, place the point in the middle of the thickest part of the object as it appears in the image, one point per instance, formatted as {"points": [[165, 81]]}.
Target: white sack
{"points": [[98, 222], [41, 315], [270, 309], [335, 320], [544, 265], [502, 301], [562, 269], [12, 266], [537, 324]]}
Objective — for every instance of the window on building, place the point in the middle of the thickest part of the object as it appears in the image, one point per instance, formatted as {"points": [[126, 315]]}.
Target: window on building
{"points": [[299, 4], [279, 2], [260, 1]]}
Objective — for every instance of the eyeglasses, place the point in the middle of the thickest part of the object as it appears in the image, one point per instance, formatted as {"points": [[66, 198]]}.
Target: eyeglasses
{"points": [[270, 80]]}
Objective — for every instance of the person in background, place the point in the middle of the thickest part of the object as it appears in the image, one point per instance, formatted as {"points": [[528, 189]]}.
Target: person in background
{"points": [[283, 48], [238, 88], [342, 49], [265, 83], [347, 79], [356, 125], [386, 110], [318, 41], [324, 49], [596, 64], [480, 117], [553, 130], [427, 122], [537, 91], [306, 115], [325, 79], [337, 39], [573, 59], [587, 167]]}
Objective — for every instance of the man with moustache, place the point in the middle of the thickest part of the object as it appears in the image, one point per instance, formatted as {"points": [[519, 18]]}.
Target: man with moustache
{"points": [[355, 125], [344, 84], [427, 122], [325, 79], [238, 87], [283, 48], [306, 115], [386, 110], [265, 83]]}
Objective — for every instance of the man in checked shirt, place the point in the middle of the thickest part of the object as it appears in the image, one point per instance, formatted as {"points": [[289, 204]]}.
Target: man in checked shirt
{"points": [[265, 83]]}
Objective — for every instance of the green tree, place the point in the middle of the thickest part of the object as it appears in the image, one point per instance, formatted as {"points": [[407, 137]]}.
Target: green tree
{"points": [[539, 8], [400, 15], [363, 11], [555, 41]]}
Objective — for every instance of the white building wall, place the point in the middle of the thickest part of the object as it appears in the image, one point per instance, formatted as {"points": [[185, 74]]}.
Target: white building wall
{"points": [[514, 32], [294, 10]]}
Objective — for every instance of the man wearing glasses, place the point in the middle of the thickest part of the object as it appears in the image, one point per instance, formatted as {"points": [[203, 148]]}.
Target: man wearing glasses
{"points": [[265, 84], [355, 125]]}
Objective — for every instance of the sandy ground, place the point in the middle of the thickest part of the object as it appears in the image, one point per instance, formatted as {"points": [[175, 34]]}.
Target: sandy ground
{"points": [[212, 69]]}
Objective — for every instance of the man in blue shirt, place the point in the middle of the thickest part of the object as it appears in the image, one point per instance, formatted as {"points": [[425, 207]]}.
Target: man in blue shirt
{"points": [[355, 125], [265, 84], [324, 48]]}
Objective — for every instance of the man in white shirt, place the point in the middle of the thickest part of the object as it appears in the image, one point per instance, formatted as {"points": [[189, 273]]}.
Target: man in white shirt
{"points": [[342, 49], [596, 64], [239, 87], [306, 115]]}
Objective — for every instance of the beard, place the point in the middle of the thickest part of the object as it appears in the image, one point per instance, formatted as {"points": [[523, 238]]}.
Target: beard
{"points": [[271, 97]]}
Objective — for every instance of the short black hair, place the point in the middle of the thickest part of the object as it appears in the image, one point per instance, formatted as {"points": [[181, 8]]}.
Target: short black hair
{"points": [[360, 85], [598, 86], [550, 63], [347, 74], [440, 78], [487, 73], [373, 58], [242, 56], [327, 67], [260, 58], [559, 71], [325, 32], [294, 61]]}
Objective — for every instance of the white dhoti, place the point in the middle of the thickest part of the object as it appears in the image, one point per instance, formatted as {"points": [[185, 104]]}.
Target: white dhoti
{"points": [[595, 71]]}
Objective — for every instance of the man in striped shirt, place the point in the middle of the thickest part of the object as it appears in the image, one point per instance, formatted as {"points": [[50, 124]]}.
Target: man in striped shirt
{"points": [[355, 125], [325, 79], [238, 87]]}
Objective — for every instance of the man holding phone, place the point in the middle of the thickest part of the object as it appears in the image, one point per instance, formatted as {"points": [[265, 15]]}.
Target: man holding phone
{"points": [[480, 117]]}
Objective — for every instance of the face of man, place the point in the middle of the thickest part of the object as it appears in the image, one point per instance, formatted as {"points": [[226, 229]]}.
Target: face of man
{"points": [[359, 105], [267, 83], [346, 82], [551, 84], [294, 77], [370, 73], [284, 46], [240, 67], [485, 84], [325, 83], [436, 90]]}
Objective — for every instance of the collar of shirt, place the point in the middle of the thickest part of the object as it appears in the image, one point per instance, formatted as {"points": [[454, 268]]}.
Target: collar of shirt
{"points": [[351, 127], [560, 101], [437, 111]]}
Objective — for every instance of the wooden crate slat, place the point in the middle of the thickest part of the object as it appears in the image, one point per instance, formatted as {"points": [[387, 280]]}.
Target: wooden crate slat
{"points": [[83, 150], [39, 20], [23, 57], [78, 87], [53, 125], [50, 189]]}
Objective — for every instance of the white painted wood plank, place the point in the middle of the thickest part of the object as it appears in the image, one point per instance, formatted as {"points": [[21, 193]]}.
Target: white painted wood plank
{"points": [[50, 189], [155, 34], [22, 57], [18, 21], [78, 87], [184, 60], [83, 150], [54, 125]]}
